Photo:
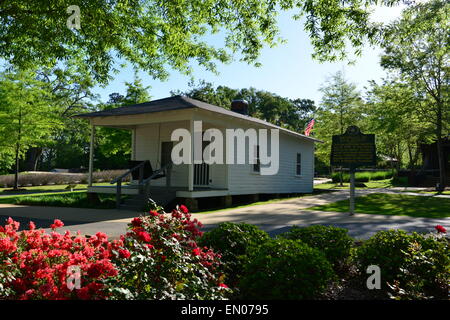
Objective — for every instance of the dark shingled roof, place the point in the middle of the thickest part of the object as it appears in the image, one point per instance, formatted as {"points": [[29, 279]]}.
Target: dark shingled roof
{"points": [[179, 103]]}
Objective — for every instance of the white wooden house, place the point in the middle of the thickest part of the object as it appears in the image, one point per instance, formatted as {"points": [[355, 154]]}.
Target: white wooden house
{"points": [[152, 124]]}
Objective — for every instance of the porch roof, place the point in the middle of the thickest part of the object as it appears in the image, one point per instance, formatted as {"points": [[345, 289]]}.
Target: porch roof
{"points": [[178, 103]]}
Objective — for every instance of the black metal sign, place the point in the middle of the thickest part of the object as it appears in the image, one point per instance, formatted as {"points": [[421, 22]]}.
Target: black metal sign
{"points": [[353, 149]]}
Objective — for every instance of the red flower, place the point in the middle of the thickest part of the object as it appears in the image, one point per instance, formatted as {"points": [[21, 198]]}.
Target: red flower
{"points": [[196, 252], [154, 213], [31, 225], [125, 254], [136, 222], [223, 285], [144, 236], [184, 209], [440, 229], [57, 224], [15, 225]]}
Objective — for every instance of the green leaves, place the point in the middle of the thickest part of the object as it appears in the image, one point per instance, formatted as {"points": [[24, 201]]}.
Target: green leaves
{"points": [[27, 114], [340, 107], [154, 34], [289, 113]]}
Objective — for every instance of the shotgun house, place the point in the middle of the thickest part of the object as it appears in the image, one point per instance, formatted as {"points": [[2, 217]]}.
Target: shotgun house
{"points": [[155, 175]]}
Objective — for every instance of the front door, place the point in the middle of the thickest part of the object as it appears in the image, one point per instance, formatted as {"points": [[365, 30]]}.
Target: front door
{"points": [[166, 152]]}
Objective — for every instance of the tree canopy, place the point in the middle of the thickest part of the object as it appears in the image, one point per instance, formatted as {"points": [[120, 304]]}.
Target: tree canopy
{"points": [[339, 108], [153, 34], [417, 47], [284, 112], [26, 116]]}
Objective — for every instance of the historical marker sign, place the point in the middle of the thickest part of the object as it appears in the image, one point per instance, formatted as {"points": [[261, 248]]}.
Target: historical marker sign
{"points": [[353, 149]]}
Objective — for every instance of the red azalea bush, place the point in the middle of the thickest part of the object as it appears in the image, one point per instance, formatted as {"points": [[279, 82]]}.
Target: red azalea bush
{"points": [[440, 229], [165, 262], [36, 265], [158, 259]]}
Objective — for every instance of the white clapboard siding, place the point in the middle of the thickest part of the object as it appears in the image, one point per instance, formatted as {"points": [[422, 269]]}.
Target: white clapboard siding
{"points": [[238, 179], [242, 179]]}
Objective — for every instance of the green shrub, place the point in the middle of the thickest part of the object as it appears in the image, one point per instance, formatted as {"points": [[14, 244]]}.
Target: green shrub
{"points": [[334, 242], [286, 269], [412, 266], [400, 181], [235, 242], [381, 175], [336, 177], [363, 176]]}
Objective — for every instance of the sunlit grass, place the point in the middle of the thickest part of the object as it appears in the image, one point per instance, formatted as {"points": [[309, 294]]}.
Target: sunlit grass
{"points": [[387, 183], [76, 199], [394, 204]]}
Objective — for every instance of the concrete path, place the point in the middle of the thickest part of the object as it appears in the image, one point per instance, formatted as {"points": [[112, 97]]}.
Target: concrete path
{"points": [[278, 217], [321, 180], [273, 217]]}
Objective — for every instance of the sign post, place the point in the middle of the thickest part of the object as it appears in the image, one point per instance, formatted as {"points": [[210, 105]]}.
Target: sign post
{"points": [[352, 191], [353, 149]]}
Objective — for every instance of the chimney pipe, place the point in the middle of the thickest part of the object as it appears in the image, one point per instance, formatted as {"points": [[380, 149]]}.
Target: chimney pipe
{"points": [[240, 106]]}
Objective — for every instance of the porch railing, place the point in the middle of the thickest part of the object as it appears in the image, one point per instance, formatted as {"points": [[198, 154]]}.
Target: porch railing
{"points": [[142, 183]]}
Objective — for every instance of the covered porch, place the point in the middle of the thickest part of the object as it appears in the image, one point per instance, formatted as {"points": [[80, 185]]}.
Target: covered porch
{"points": [[151, 146]]}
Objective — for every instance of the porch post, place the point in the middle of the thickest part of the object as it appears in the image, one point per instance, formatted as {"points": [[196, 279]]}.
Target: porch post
{"points": [[91, 156], [133, 144], [191, 165]]}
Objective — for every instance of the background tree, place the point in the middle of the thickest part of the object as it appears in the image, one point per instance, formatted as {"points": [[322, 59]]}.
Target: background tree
{"points": [[417, 46], [341, 106], [154, 34], [393, 114], [292, 114], [70, 87], [113, 146], [26, 115]]}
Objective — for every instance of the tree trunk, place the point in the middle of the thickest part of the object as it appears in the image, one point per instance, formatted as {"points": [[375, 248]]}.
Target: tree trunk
{"points": [[32, 158], [442, 177], [411, 157], [19, 136], [16, 170]]}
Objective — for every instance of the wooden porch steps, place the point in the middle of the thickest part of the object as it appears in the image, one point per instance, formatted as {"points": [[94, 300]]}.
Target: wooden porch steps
{"points": [[162, 196]]}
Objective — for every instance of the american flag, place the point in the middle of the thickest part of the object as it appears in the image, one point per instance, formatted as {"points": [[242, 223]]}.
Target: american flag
{"points": [[309, 127]]}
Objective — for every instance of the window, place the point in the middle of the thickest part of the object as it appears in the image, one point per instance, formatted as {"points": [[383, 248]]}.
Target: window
{"points": [[298, 165], [257, 163]]}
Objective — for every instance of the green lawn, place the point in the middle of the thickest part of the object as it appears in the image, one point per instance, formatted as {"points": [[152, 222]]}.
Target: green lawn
{"points": [[446, 193], [369, 185], [394, 204], [76, 199], [47, 188]]}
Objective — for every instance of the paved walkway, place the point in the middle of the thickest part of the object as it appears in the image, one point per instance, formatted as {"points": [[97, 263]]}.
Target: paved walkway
{"points": [[273, 217], [76, 218], [278, 217]]}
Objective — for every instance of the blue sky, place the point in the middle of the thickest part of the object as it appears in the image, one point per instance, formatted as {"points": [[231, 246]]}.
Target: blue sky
{"points": [[287, 70]]}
